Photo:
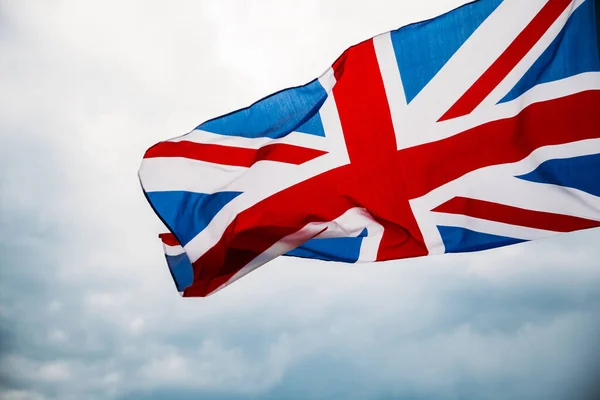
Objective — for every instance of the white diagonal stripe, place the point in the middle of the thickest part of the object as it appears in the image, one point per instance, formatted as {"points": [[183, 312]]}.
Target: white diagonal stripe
{"points": [[349, 224], [499, 184], [173, 250], [432, 131], [529, 60], [262, 188], [473, 58], [491, 227], [394, 89]]}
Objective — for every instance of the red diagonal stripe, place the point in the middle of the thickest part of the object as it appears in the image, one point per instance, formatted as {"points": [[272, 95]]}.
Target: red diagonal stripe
{"points": [[508, 60], [514, 215], [169, 239], [564, 120], [362, 104], [235, 156]]}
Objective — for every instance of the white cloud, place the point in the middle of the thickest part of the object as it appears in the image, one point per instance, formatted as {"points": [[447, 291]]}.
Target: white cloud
{"points": [[54, 306], [57, 335], [54, 372], [137, 325]]}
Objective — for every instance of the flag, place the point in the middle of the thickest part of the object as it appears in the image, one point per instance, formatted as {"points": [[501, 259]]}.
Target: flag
{"points": [[179, 264], [474, 130]]}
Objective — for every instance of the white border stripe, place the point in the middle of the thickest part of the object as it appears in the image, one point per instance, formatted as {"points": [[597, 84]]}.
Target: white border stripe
{"points": [[474, 57], [491, 227], [349, 224], [529, 60], [173, 250], [327, 80], [392, 81], [285, 245], [294, 138], [165, 174]]}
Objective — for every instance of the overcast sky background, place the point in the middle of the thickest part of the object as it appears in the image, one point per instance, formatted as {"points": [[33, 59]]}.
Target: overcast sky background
{"points": [[87, 307]]}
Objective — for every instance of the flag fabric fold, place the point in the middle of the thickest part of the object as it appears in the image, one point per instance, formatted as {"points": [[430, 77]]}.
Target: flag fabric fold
{"points": [[474, 130]]}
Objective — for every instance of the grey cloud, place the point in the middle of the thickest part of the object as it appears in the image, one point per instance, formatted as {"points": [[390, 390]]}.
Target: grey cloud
{"points": [[415, 329]]}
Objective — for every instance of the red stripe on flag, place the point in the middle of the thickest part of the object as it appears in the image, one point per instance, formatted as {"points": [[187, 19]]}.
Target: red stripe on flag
{"points": [[362, 104], [169, 239], [508, 60], [515, 215], [235, 156], [366, 120], [236, 249], [564, 120]]}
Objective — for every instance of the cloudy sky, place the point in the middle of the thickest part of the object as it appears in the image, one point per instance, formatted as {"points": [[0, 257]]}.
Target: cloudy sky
{"points": [[87, 306]]}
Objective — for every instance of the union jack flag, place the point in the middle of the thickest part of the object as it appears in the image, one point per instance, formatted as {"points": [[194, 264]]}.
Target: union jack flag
{"points": [[477, 129]]}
